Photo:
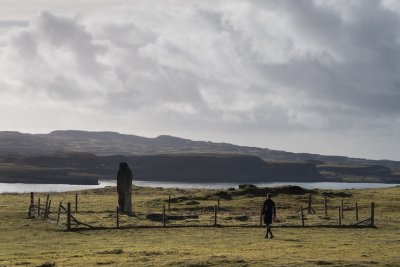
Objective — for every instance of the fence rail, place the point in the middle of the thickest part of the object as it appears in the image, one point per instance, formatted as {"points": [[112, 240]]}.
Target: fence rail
{"points": [[309, 216]]}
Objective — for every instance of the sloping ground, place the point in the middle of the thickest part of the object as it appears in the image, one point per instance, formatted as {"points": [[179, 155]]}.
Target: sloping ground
{"points": [[183, 168], [356, 173]]}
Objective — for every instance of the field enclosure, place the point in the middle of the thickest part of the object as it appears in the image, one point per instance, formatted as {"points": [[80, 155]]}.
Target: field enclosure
{"points": [[191, 208]]}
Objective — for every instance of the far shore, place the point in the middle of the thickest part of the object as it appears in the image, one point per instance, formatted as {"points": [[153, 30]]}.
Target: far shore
{"points": [[42, 187]]}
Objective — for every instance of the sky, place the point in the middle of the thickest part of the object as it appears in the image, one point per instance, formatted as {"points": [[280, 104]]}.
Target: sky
{"points": [[316, 76]]}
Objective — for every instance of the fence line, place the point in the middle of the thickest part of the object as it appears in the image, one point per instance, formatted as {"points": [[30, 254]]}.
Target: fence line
{"points": [[64, 217]]}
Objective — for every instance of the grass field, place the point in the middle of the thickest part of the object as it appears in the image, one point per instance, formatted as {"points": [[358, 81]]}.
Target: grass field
{"points": [[37, 242]]}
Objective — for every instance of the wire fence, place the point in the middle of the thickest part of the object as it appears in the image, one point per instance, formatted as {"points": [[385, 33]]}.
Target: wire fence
{"points": [[90, 211]]}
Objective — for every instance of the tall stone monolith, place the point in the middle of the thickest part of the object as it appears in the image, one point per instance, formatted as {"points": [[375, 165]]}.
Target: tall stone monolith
{"points": [[124, 188]]}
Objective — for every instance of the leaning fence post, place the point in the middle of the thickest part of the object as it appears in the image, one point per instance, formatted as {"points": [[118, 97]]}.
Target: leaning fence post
{"points": [[164, 216], [302, 215], [342, 210], [117, 209], [356, 212], [38, 212], [59, 213], [340, 215], [47, 204], [69, 216], [169, 203], [215, 214], [372, 214], [76, 202], [326, 206], [261, 215]]}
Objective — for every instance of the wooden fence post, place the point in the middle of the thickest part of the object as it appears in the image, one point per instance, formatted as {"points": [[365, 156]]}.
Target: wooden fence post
{"points": [[342, 210], [261, 215], [76, 203], [48, 210], [69, 216], [218, 201], [117, 210], [59, 213], [215, 214], [164, 217], [326, 206], [372, 214], [169, 203], [309, 203], [47, 204], [356, 212], [38, 212], [340, 215], [31, 205], [302, 215]]}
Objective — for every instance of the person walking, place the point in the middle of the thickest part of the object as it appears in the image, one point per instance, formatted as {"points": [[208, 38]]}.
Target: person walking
{"points": [[269, 212]]}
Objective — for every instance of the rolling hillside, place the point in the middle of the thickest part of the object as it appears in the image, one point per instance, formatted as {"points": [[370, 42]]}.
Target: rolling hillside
{"points": [[112, 143], [80, 157]]}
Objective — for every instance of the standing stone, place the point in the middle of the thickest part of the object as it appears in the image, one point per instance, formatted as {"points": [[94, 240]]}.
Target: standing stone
{"points": [[124, 188]]}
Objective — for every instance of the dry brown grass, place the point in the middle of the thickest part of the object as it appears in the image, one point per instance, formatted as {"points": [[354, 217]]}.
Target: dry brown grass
{"points": [[33, 242]]}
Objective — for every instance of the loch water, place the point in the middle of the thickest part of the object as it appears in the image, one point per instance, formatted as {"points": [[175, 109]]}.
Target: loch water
{"points": [[24, 188]]}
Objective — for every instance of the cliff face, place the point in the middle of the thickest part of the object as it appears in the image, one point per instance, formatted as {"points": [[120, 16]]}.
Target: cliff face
{"points": [[219, 168], [61, 168]]}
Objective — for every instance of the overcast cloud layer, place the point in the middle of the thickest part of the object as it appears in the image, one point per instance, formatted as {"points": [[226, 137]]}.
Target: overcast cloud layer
{"points": [[305, 76]]}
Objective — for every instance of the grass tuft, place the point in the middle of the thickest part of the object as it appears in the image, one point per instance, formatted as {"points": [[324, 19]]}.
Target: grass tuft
{"points": [[114, 251]]}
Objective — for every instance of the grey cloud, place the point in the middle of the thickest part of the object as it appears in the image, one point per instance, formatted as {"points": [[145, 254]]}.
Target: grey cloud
{"points": [[13, 23], [25, 44], [245, 67], [64, 32]]}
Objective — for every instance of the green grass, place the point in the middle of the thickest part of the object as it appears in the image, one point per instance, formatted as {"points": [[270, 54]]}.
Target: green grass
{"points": [[33, 242]]}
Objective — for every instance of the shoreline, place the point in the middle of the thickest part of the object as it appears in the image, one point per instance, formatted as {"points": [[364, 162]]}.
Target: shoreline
{"points": [[41, 188]]}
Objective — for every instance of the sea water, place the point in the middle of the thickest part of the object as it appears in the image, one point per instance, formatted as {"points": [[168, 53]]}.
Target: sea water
{"points": [[24, 188]]}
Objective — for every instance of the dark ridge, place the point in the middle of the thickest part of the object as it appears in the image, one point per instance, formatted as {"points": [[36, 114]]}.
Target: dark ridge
{"points": [[166, 158], [113, 143], [179, 168]]}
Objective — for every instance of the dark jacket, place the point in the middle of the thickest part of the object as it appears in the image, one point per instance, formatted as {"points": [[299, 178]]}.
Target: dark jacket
{"points": [[269, 209]]}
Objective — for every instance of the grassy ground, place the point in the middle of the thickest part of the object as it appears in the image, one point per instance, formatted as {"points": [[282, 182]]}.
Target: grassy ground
{"points": [[34, 242]]}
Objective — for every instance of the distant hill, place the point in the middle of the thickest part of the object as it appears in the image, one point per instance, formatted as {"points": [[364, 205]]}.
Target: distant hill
{"points": [[112, 143], [86, 168], [79, 157]]}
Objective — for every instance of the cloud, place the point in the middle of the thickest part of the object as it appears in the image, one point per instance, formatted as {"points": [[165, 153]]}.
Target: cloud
{"points": [[13, 23], [266, 68]]}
